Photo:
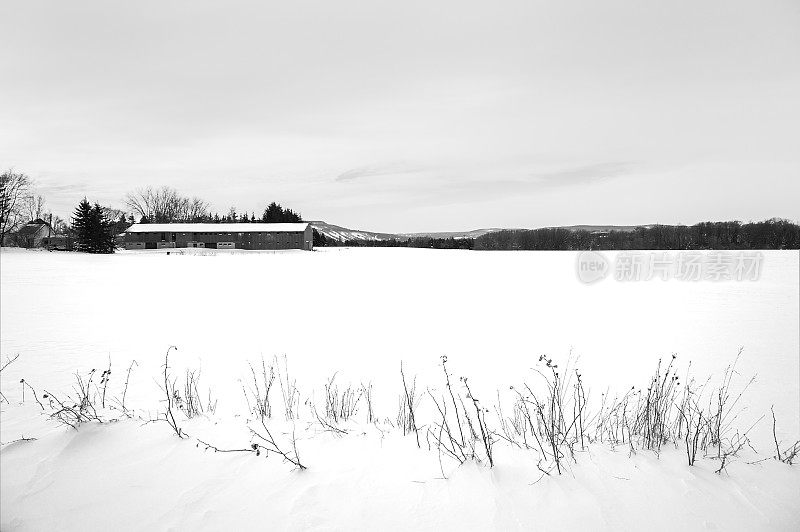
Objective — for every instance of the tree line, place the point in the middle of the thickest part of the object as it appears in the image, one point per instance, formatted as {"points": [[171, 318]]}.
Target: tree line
{"points": [[167, 205], [769, 234]]}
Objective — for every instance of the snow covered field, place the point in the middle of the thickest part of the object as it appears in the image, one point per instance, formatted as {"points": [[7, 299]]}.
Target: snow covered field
{"points": [[358, 313]]}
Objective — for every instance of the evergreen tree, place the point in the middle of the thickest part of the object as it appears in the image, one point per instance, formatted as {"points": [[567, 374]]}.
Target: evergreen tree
{"points": [[273, 213], [103, 231], [95, 227], [94, 231], [319, 239], [81, 225], [289, 216]]}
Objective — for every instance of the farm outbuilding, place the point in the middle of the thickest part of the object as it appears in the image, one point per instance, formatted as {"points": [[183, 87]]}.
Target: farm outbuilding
{"points": [[220, 236], [33, 234]]}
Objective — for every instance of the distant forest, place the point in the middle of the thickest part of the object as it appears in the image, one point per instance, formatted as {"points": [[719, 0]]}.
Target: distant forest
{"points": [[769, 234], [320, 240]]}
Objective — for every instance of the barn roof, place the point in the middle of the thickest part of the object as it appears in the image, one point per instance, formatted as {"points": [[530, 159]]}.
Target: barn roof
{"points": [[32, 228], [218, 228]]}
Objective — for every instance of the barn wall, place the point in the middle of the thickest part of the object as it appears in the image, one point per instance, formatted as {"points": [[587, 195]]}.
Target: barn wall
{"points": [[210, 239]]}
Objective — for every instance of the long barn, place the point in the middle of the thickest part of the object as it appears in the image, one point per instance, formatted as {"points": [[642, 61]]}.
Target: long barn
{"points": [[220, 236]]}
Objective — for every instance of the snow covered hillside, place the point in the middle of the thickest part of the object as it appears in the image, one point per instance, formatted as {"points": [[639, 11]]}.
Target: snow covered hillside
{"points": [[339, 233], [332, 328]]}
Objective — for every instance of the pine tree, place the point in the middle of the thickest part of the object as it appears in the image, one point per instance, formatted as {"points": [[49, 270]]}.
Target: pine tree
{"points": [[319, 239], [273, 213], [94, 232], [81, 223], [290, 216], [102, 231]]}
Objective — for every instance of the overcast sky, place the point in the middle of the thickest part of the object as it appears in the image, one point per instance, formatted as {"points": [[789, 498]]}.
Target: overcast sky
{"points": [[412, 115]]}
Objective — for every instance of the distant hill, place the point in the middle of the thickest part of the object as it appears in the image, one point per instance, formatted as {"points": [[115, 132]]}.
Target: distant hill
{"points": [[343, 233], [598, 228], [337, 232], [450, 234]]}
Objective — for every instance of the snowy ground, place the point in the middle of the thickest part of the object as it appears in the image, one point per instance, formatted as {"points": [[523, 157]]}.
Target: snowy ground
{"points": [[358, 313]]}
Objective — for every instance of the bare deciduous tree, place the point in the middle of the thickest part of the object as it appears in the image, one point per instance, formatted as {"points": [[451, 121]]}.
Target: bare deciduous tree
{"points": [[165, 205], [114, 214], [14, 189], [60, 227], [34, 206], [196, 209]]}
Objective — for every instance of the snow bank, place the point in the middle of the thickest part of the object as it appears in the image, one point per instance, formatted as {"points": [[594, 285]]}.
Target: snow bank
{"points": [[131, 477]]}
